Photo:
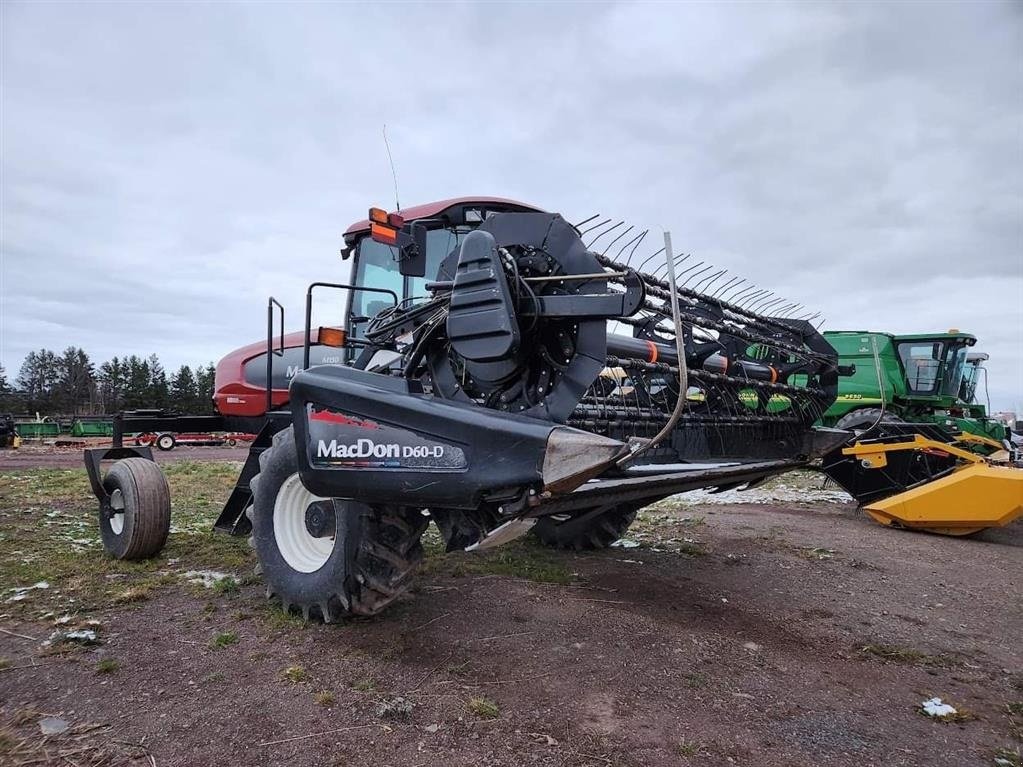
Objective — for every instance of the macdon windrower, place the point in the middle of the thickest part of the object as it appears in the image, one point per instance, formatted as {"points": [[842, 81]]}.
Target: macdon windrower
{"points": [[499, 371]]}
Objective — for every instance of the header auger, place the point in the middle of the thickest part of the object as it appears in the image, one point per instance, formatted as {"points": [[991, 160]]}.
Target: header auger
{"points": [[524, 381]]}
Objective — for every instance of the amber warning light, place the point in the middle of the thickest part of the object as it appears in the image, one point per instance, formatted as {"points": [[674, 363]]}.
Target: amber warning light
{"points": [[384, 226]]}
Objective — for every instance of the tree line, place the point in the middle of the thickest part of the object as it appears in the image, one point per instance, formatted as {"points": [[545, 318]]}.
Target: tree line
{"points": [[69, 383]]}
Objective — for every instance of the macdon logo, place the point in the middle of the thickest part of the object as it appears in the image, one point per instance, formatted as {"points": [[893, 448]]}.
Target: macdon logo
{"points": [[367, 448]]}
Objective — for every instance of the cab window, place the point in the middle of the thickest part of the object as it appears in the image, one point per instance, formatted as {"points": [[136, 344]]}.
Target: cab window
{"points": [[922, 362], [439, 243], [375, 267]]}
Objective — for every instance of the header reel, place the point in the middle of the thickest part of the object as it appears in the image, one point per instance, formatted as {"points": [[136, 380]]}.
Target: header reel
{"points": [[519, 322]]}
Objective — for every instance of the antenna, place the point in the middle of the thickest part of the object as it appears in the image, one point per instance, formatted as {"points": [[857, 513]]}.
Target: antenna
{"points": [[394, 174]]}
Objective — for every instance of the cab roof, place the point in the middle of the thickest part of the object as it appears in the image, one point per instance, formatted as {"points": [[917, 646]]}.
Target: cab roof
{"points": [[954, 334], [441, 207]]}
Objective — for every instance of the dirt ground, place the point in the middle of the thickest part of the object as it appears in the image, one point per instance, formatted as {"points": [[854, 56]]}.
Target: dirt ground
{"points": [[734, 633]]}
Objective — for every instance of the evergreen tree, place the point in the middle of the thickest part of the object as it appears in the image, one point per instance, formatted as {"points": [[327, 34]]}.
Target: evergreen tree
{"points": [[159, 391], [183, 393], [76, 381], [11, 400], [38, 379], [112, 382], [204, 378], [138, 380]]}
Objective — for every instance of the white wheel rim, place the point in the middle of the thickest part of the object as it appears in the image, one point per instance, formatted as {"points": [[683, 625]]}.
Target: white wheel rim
{"points": [[117, 518], [301, 550]]}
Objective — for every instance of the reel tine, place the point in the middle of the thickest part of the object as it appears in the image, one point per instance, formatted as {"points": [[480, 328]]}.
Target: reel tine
{"points": [[612, 243], [596, 226], [794, 310], [731, 281], [697, 274], [679, 260], [639, 241], [638, 237], [769, 298], [704, 285], [752, 298], [741, 293], [649, 259], [606, 231], [586, 221]]}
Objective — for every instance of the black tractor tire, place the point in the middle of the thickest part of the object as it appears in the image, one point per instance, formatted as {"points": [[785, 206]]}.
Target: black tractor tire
{"points": [[141, 499], [860, 420], [372, 558], [595, 528], [165, 442]]}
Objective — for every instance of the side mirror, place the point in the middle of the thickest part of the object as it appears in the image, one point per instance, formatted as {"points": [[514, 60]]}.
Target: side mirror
{"points": [[412, 254]]}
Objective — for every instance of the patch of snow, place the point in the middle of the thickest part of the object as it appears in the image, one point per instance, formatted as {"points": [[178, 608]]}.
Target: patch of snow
{"points": [[21, 592], [51, 725], [208, 578], [934, 707], [778, 493], [625, 543], [81, 636]]}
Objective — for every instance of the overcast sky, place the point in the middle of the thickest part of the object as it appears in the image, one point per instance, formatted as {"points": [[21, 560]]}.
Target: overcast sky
{"points": [[167, 166]]}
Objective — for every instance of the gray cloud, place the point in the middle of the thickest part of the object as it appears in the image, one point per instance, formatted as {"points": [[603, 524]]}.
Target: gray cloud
{"points": [[167, 166]]}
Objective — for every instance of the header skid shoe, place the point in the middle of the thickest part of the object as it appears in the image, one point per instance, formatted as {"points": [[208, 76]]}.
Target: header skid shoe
{"points": [[376, 439]]}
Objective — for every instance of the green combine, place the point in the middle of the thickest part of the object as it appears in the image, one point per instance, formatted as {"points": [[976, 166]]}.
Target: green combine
{"points": [[924, 378]]}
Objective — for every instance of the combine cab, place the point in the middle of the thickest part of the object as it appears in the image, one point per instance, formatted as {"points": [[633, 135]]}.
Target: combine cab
{"points": [[927, 378], [477, 384]]}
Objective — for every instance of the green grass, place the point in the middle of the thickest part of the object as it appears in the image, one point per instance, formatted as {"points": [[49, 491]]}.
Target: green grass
{"points": [[365, 685], [223, 639], [325, 698], [107, 666], [520, 559], [907, 656], [687, 748], [295, 674], [226, 586], [49, 531], [481, 707]]}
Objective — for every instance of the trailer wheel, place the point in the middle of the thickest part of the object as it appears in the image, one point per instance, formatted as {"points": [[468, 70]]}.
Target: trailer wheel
{"points": [[138, 520], [328, 557], [595, 528], [166, 442]]}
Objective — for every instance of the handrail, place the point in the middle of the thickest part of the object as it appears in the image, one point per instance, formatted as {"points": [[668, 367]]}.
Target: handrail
{"points": [[270, 351], [309, 308]]}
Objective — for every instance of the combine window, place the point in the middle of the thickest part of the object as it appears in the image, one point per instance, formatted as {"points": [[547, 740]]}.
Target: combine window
{"points": [[933, 367], [922, 363]]}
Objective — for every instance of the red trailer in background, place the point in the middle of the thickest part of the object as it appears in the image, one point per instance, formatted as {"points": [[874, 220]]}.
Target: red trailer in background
{"points": [[168, 440]]}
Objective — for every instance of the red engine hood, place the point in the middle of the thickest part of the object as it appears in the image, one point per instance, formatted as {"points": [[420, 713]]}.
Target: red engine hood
{"points": [[233, 396]]}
